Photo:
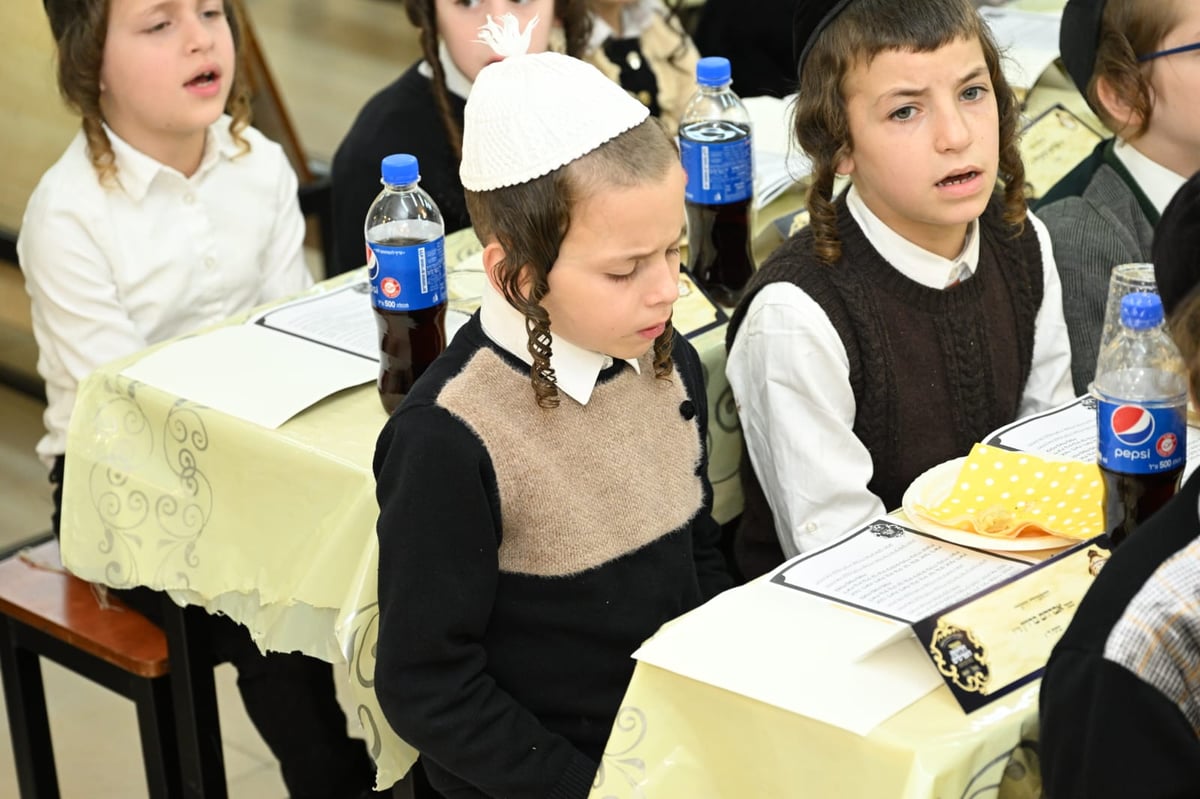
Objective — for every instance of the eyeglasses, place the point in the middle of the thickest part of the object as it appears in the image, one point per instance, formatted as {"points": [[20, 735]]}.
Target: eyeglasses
{"points": [[1181, 49]]}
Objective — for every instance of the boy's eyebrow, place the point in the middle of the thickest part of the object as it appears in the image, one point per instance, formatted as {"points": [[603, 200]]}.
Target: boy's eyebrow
{"points": [[975, 74], [638, 255], [148, 10]]}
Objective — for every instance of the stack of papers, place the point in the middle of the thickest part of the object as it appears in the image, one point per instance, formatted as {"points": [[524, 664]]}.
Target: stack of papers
{"points": [[276, 365], [778, 163], [831, 636]]}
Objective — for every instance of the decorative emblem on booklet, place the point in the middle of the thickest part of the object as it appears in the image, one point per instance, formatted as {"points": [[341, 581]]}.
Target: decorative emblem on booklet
{"points": [[1000, 639]]}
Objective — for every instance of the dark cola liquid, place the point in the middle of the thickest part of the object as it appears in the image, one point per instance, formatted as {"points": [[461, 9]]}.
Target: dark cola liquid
{"points": [[409, 341], [719, 253], [1130, 499], [719, 248]]}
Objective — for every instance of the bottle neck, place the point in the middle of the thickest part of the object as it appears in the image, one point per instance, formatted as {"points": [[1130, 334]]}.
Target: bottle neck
{"points": [[399, 186]]}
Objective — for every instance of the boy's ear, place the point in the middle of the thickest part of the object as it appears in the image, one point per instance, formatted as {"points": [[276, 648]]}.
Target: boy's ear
{"points": [[1112, 99], [493, 254]]}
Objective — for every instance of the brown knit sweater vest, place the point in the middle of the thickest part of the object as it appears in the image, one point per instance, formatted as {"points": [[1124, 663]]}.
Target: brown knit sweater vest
{"points": [[932, 370]]}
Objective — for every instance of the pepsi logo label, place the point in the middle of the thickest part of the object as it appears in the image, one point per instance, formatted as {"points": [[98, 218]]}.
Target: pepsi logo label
{"points": [[1132, 425], [1140, 440]]}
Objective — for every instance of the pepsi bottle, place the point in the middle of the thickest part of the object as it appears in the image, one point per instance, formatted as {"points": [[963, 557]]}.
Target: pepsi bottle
{"points": [[714, 143], [1141, 416], [406, 264]]}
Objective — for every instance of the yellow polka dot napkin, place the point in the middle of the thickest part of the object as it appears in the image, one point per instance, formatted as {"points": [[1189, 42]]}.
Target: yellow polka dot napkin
{"points": [[1006, 494]]}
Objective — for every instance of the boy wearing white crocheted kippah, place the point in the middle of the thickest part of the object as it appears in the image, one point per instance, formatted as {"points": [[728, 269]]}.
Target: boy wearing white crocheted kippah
{"points": [[543, 490]]}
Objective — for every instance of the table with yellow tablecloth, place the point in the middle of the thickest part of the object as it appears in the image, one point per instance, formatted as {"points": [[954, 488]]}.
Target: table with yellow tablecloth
{"points": [[676, 737]]}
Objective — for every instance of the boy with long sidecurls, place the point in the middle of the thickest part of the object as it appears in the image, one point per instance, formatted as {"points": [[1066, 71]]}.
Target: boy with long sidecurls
{"points": [[919, 310], [544, 503]]}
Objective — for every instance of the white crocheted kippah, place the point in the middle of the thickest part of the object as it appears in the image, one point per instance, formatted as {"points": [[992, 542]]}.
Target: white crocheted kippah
{"points": [[531, 114]]}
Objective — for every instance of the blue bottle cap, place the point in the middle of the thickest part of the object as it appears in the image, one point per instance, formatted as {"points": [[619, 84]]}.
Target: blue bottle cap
{"points": [[713, 71], [1141, 310], [400, 169]]}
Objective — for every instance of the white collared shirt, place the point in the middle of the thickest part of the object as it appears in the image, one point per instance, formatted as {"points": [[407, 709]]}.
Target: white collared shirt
{"points": [[915, 263], [575, 368], [456, 81], [797, 412], [1157, 182], [112, 270]]}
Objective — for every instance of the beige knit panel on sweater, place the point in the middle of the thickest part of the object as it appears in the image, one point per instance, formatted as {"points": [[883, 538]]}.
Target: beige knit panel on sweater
{"points": [[581, 485]]}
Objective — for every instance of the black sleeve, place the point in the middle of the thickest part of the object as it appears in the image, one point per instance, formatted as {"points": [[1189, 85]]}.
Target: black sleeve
{"points": [[1105, 732], [711, 569], [354, 179], [439, 533]]}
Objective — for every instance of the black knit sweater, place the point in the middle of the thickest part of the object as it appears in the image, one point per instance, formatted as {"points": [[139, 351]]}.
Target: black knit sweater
{"points": [[401, 118], [525, 553], [932, 370]]}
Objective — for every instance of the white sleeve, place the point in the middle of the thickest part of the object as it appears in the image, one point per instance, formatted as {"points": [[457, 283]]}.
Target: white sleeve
{"points": [[79, 319], [1049, 382], [791, 379], [284, 270]]}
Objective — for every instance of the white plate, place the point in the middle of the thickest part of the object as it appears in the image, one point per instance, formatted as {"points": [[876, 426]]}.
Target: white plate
{"points": [[931, 489]]}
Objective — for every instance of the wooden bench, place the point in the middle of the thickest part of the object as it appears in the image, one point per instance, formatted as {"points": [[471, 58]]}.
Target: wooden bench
{"points": [[47, 611]]}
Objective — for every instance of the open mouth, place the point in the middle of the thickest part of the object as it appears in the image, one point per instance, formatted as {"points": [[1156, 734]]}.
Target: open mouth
{"points": [[954, 180], [203, 79]]}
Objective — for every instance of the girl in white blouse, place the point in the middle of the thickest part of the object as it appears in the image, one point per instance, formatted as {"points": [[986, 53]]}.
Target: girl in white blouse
{"points": [[166, 214]]}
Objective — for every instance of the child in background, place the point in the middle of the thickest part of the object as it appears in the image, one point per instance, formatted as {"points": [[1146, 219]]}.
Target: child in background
{"points": [[919, 310], [165, 215], [544, 503], [422, 111], [1120, 701], [641, 44], [1134, 62]]}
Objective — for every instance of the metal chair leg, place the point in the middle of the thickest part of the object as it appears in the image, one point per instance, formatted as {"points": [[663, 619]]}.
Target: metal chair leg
{"points": [[28, 723]]}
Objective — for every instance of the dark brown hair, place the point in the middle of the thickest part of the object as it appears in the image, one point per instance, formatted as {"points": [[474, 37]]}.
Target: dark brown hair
{"points": [[1129, 28], [572, 14], [1184, 325], [80, 29], [530, 221], [862, 31]]}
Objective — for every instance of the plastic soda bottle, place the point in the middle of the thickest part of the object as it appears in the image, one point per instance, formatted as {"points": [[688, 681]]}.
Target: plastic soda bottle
{"points": [[406, 264], [715, 144], [1141, 416]]}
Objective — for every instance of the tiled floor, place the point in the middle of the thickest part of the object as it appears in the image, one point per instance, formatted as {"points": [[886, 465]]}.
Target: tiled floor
{"points": [[328, 57]]}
